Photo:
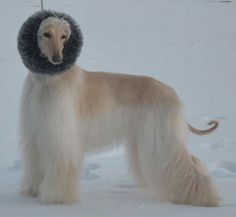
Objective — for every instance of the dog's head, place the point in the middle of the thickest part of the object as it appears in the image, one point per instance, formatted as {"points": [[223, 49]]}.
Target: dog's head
{"points": [[52, 35], [49, 42]]}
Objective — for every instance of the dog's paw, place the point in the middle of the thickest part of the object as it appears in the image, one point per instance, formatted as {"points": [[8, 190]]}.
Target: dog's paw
{"points": [[58, 198], [29, 192]]}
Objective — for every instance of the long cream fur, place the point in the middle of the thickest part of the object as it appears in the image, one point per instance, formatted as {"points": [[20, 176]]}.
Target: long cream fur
{"points": [[67, 115]]}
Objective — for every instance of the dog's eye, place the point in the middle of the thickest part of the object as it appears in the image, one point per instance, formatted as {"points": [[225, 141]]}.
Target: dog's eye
{"points": [[63, 36], [47, 35]]}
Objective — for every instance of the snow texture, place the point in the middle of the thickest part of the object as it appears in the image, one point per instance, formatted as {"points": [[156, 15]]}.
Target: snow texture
{"points": [[187, 44]]}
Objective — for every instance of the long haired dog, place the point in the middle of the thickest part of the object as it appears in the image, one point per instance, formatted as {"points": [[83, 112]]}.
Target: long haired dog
{"points": [[66, 114]]}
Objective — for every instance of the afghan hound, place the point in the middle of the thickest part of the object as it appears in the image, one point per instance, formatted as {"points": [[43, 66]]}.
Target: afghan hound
{"points": [[73, 111]]}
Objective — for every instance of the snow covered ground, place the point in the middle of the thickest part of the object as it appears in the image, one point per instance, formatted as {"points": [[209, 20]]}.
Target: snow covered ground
{"points": [[189, 44]]}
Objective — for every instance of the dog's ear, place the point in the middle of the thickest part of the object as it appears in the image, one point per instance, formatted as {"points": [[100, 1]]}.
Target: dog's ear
{"points": [[67, 28]]}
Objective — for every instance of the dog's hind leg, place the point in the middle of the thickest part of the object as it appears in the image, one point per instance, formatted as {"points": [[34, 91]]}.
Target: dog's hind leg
{"points": [[134, 164], [170, 172]]}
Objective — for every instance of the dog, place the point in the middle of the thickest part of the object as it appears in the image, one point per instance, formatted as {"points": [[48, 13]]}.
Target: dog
{"points": [[65, 116]]}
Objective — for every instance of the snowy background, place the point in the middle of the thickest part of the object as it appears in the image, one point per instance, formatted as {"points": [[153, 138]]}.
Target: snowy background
{"points": [[188, 44]]}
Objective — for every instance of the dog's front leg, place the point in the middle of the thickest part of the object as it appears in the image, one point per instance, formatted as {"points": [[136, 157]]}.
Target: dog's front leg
{"points": [[61, 166], [61, 153], [60, 183], [32, 174]]}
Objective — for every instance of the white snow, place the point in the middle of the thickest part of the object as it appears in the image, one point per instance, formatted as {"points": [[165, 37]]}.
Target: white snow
{"points": [[189, 44]]}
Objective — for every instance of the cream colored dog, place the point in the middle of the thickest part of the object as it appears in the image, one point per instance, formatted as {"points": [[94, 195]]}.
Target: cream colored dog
{"points": [[66, 115]]}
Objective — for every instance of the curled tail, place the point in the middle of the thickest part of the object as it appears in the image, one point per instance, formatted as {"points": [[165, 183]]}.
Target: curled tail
{"points": [[204, 132]]}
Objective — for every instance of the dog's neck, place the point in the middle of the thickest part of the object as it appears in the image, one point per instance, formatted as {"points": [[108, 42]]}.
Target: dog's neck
{"points": [[69, 75]]}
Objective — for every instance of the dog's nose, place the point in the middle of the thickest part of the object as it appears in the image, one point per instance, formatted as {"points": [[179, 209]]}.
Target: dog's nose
{"points": [[56, 59]]}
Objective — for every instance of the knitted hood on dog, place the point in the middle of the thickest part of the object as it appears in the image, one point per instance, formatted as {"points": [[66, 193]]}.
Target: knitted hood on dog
{"points": [[29, 50]]}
